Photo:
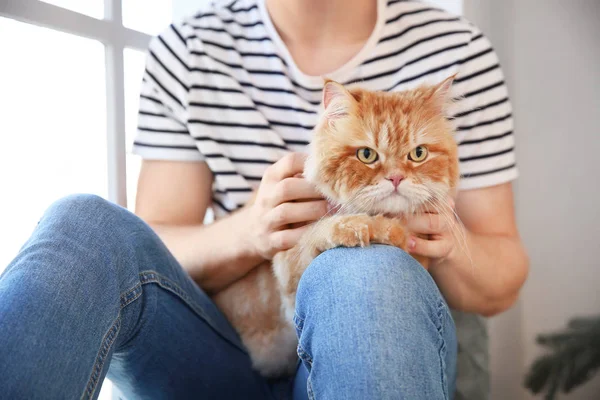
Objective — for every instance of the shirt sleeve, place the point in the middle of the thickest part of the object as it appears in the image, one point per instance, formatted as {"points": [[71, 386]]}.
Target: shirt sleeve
{"points": [[483, 119], [162, 132]]}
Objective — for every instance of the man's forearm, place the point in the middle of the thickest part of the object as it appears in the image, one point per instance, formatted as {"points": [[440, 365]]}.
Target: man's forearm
{"points": [[484, 276], [214, 255]]}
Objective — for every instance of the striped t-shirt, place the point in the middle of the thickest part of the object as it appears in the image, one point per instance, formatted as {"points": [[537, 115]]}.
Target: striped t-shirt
{"points": [[221, 87]]}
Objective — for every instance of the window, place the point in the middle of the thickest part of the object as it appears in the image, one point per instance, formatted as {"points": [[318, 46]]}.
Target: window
{"points": [[70, 78], [93, 8], [134, 61], [70, 81], [53, 123]]}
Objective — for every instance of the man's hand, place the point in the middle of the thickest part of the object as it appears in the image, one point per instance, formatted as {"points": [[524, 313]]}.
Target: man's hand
{"points": [[480, 267], [283, 199], [435, 232]]}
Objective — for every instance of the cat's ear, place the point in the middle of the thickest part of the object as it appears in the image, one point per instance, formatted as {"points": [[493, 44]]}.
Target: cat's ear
{"points": [[441, 94], [337, 100]]}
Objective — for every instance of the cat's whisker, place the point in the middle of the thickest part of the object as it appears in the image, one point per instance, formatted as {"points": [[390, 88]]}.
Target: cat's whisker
{"points": [[457, 229]]}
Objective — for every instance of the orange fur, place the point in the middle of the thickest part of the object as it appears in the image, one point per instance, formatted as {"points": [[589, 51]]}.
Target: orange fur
{"points": [[261, 305]]}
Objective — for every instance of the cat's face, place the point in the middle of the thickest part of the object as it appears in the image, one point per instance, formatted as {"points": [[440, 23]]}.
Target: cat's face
{"points": [[388, 153]]}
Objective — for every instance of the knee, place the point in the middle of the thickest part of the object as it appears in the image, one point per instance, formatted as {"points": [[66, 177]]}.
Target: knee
{"points": [[83, 230], [93, 222], [365, 267], [80, 207], [88, 213], [366, 276], [72, 235]]}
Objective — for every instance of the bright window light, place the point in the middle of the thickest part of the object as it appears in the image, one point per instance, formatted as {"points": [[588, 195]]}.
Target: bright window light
{"points": [[134, 62], [53, 125], [148, 17]]}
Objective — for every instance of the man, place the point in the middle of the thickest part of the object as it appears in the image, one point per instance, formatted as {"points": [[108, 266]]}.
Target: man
{"points": [[227, 105]]}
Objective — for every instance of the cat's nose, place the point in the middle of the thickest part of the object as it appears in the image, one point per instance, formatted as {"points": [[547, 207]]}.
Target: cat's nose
{"points": [[395, 179]]}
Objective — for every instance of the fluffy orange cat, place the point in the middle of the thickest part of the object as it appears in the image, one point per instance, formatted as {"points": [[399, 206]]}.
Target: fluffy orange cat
{"points": [[378, 156]]}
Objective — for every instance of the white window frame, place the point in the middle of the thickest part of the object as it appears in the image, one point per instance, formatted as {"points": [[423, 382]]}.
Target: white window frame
{"points": [[115, 37]]}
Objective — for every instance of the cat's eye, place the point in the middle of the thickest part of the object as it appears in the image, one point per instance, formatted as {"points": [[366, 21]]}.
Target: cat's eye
{"points": [[418, 154], [367, 155]]}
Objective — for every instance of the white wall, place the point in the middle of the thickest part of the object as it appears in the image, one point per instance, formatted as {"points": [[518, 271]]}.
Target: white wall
{"points": [[550, 52], [186, 8]]}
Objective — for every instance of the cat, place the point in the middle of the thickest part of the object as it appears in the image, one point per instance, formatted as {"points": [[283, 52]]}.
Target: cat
{"points": [[377, 157]]}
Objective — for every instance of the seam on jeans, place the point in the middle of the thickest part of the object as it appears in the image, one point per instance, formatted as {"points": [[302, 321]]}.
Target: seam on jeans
{"points": [[127, 298], [304, 356], [167, 284], [131, 295], [107, 342], [309, 389], [299, 317], [442, 351], [298, 322]]}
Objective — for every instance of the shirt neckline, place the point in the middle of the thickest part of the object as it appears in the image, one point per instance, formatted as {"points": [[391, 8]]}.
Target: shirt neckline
{"points": [[341, 74]]}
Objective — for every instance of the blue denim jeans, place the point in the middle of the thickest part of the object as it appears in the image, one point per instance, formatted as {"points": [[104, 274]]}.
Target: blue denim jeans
{"points": [[95, 293]]}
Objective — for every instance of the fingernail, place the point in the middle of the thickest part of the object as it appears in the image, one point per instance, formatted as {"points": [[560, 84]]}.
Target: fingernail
{"points": [[411, 244], [332, 207]]}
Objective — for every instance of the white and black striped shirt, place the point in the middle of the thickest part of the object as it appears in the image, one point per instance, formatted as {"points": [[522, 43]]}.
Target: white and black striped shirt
{"points": [[222, 87]]}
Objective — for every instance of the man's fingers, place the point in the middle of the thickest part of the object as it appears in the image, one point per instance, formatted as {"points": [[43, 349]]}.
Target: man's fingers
{"points": [[291, 189], [292, 213], [286, 239], [290, 165], [429, 248]]}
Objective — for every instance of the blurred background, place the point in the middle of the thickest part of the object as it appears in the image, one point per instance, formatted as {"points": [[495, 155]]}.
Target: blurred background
{"points": [[70, 72]]}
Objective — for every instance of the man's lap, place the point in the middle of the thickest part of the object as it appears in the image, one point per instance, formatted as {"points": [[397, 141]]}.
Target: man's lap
{"points": [[172, 340]]}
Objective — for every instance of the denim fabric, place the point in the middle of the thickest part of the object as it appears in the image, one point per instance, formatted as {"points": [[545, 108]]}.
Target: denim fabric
{"points": [[95, 293], [377, 311]]}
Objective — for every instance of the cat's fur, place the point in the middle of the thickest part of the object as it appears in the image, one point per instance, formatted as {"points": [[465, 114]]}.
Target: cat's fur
{"points": [[260, 305]]}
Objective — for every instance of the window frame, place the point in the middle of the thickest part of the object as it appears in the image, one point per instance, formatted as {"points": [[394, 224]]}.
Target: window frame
{"points": [[115, 37]]}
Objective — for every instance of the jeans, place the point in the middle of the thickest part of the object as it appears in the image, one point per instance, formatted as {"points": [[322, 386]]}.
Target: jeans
{"points": [[95, 293]]}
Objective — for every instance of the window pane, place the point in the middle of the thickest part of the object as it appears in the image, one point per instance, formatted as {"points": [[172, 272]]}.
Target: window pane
{"points": [[134, 61], [53, 125], [93, 8], [149, 17]]}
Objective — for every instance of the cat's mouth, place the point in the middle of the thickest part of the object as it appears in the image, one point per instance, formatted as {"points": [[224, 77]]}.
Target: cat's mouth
{"points": [[394, 194]]}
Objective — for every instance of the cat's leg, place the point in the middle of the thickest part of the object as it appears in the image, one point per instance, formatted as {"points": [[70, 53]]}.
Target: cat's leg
{"points": [[253, 306], [363, 230], [359, 230], [288, 267]]}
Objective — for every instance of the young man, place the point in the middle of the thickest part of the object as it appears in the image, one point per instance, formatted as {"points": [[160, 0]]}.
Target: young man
{"points": [[228, 102]]}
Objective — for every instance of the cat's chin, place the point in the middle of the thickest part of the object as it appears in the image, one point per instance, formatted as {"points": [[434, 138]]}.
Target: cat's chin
{"points": [[393, 204]]}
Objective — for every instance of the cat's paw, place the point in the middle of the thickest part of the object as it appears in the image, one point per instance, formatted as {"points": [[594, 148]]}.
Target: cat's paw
{"points": [[352, 231], [389, 231]]}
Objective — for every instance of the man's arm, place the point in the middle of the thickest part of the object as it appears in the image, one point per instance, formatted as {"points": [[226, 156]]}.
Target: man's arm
{"points": [[173, 198], [485, 273]]}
